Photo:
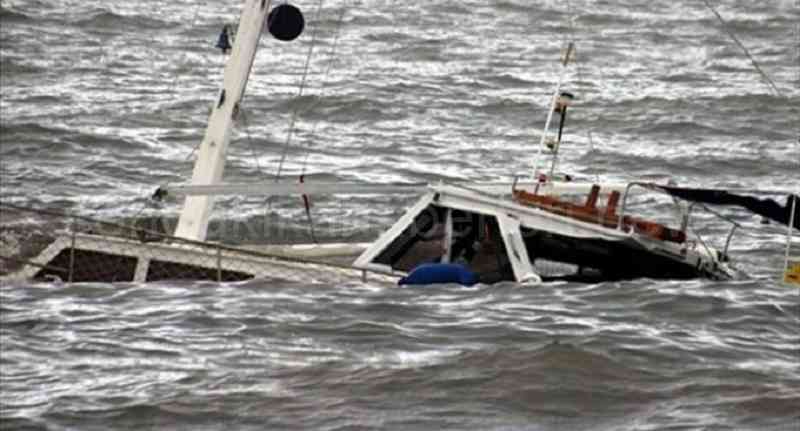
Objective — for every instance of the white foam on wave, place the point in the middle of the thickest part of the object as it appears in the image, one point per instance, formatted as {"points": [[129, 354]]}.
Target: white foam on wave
{"points": [[403, 359]]}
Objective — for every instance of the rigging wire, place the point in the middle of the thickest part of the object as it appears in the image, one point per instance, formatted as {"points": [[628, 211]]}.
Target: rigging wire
{"points": [[331, 56], [295, 113], [579, 69], [242, 111], [178, 75], [776, 92], [753, 61], [191, 27], [250, 142]]}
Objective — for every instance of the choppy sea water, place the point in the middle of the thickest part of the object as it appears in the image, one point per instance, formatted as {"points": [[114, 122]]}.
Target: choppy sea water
{"points": [[104, 101]]}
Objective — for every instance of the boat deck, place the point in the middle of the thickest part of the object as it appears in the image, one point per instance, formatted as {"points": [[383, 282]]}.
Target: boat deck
{"points": [[605, 216]]}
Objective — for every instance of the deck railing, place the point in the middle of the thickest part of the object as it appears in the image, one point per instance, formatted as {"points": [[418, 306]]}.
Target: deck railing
{"points": [[25, 233]]}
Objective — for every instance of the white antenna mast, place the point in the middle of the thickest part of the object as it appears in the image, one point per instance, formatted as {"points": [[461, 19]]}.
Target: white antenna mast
{"points": [[553, 103]]}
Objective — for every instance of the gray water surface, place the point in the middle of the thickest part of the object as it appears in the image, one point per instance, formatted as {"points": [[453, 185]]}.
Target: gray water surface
{"points": [[103, 101]]}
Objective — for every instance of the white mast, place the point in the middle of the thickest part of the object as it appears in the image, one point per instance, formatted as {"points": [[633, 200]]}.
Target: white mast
{"points": [[210, 163]]}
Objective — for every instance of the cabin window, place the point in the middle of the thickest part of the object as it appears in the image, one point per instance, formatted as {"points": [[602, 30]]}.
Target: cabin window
{"points": [[560, 257], [476, 242], [89, 265], [159, 270], [421, 242]]}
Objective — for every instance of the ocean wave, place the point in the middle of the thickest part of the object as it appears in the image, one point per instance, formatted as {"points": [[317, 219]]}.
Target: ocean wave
{"points": [[437, 91], [109, 20], [11, 16], [397, 346]]}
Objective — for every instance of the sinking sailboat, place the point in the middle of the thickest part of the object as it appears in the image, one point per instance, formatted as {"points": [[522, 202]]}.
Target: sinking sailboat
{"points": [[132, 254], [526, 231]]}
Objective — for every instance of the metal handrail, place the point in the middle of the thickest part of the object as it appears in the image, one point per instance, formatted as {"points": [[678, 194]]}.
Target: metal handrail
{"points": [[684, 226], [620, 224]]}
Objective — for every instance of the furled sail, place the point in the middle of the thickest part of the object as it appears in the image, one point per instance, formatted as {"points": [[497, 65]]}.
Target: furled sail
{"points": [[768, 208]]}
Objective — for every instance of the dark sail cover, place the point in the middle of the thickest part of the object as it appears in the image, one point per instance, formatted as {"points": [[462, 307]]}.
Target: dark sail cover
{"points": [[764, 207]]}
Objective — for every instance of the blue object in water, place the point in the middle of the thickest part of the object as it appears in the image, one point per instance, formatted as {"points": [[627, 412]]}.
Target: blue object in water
{"points": [[438, 273]]}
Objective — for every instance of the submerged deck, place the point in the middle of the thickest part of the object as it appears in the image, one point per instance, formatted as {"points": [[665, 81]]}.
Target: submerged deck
{"points": [[76, 257], [526, 239], [95, 251]]}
